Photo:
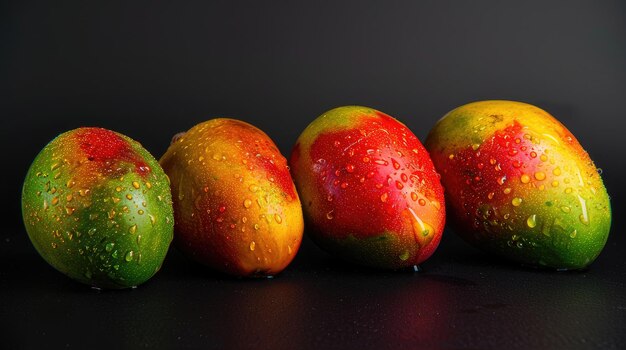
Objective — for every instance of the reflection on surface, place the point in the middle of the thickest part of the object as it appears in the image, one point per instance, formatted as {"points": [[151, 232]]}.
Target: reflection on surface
{"points": [[462, 299]]}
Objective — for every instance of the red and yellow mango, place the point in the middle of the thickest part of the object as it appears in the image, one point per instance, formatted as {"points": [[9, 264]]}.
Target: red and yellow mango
{"points": [[518, 184], [235, 205], [369, 190]]}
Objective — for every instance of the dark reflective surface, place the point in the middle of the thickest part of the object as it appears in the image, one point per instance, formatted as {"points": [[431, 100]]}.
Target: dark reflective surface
{"points": [[461, 299]]}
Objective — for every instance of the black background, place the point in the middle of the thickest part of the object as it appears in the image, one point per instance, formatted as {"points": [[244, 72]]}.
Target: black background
{"points": [[150, 69]]}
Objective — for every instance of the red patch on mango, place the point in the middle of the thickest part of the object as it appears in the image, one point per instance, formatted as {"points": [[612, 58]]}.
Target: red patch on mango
{"points": [[102, 145]]}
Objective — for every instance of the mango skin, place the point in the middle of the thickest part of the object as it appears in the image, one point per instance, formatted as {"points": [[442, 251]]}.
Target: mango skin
{"points": [[236, 207], [97, 207], [519, 185], [369, 190]]}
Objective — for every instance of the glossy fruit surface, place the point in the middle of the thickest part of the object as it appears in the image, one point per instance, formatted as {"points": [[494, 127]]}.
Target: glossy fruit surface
{"points": [[369, 190], [520, 185], [97, 207], [236, 207]]}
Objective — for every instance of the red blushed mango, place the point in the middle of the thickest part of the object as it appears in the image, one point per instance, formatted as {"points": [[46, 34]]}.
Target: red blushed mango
{"points": [[369, 190], [235, 205], [519, 184], [97, 207]]}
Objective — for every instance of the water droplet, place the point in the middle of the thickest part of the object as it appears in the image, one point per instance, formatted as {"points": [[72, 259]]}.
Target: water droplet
{"points": [[556, 171], [396, 165], [584, 217], [350, 168], [540, 176], [54, 245], [566, 209], [399, 185], [516, 201], [501, 180], [132, 229], [525, 178], [278, 218], [568, 190], [532, 221], [451, 156], [435, 203], [222, 209], [573, 234], [421, 202], [533, 154], [256, 226], [247, 203], [252, 245], [344, 184], [136, 184], [490, 195], [129, 256], [140, 212], [404, 178], [507, 190], [118, 189], [383, 197], [329, 215], [129, 196], [45, 205], [413, 196], [475, 146], [555, 183], [109, 247], [55, 200], [91, 231], [404, 256], [422, 231]]}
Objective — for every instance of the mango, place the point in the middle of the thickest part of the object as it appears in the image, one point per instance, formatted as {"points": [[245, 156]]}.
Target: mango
{"points": [[236, 208], [519, 185], [97, 207], [369, 189]]}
